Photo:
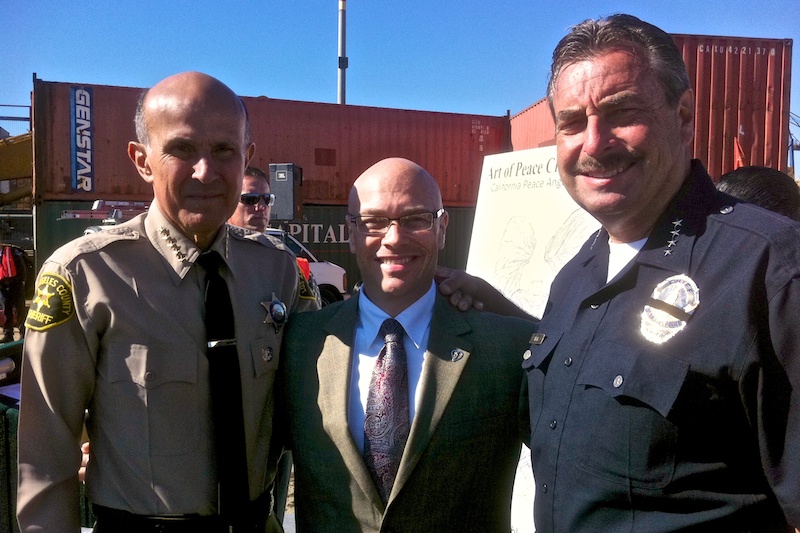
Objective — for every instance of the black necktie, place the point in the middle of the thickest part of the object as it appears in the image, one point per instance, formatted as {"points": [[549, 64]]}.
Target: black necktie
{"points": [[226, 393], [387, 425]]}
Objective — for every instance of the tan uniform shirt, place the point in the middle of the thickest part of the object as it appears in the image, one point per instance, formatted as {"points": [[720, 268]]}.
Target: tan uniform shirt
{"points": [[116, 331]]}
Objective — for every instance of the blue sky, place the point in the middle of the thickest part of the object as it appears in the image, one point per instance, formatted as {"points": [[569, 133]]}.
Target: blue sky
{"points": [[464, 56]]}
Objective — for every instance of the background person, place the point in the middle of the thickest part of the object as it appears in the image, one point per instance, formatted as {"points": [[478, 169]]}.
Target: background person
{"points": [[461, 419], [117, 335], [664, 375], [765, 187], [255, 204], [12, 290], [253, 212]]}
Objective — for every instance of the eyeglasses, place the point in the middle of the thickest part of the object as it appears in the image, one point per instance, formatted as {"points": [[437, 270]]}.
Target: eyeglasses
{"points": [[372, 225], [252, 198]]}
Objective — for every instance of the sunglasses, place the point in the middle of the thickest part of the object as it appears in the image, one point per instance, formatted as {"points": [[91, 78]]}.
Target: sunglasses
{"points": [[252, 198]]}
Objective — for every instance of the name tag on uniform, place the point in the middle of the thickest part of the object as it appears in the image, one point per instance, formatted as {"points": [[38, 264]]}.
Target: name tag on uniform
{"points": [[537, 338]]}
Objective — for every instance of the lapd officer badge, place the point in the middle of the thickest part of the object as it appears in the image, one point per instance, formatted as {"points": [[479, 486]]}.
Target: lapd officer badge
{"points": [[276, 313], [53, 304], [670, 308]]}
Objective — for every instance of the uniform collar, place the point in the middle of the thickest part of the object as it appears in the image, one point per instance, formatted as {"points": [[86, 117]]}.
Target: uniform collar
{"points": [[179, 251], [671, 242]]}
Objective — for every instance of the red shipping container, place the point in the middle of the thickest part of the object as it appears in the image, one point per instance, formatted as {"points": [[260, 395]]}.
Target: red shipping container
{"points": [[332, 143]]}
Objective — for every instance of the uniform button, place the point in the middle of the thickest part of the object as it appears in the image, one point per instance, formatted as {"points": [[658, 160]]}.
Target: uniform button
{"points": [[553, 424], [526, 355], [568, 361], [544, 488], [618, 382], [594, 306], [149, 376], [726, 209]]}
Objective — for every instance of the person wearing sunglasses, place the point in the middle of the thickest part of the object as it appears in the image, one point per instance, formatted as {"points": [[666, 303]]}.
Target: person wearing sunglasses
{"points": [[255, 203]]}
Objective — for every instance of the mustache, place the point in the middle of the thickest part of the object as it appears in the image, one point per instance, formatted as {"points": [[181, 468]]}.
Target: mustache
{"points": [[590, 165]]}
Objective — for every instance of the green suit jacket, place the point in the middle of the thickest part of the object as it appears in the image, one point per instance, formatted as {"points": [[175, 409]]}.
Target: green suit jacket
{"points": [[457, 471]]}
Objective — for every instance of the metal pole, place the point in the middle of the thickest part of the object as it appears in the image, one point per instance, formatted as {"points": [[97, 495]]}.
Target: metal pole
{"points": [[342, 50]]}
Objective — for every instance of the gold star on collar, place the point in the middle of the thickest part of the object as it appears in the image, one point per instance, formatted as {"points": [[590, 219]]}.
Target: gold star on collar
{"points": [[172, 243]]}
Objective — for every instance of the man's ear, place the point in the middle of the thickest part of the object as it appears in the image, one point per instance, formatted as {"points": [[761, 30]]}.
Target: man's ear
{"points": [[138, 154], [443, 220], [686, 114]]}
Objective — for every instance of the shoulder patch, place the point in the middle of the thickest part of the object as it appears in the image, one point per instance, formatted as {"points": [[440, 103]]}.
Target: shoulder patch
{"points": [[53, 304], [245, 234], [307, 291]]}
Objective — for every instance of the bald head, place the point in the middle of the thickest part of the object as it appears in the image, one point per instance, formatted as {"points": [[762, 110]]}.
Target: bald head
{"points": [[394, 175], [184, 90], [397, 227]]}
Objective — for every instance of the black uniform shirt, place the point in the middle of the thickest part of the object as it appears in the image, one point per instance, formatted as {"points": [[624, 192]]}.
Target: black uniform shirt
{"points": [[668, 397]]}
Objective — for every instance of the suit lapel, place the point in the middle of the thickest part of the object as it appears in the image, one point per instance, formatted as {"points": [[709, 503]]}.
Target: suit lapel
{"points": [[335, 364], [445, 360]]}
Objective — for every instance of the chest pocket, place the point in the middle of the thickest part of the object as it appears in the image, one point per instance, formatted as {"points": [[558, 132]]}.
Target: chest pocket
{"points": [[619, 427], [265, 354], [155, 386], [535, 362]]}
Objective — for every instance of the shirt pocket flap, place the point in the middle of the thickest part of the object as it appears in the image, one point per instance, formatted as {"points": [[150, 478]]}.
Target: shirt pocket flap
{"points": [[542, 345], [654, 379], [264, 355], [152, 365]]}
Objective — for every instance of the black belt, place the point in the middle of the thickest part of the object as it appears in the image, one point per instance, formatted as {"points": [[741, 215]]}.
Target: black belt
{"points": [[117, 521]]}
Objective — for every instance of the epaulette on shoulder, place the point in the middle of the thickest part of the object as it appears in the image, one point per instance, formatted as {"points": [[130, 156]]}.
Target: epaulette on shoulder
{"points": [[256, 236], [98, 240]]}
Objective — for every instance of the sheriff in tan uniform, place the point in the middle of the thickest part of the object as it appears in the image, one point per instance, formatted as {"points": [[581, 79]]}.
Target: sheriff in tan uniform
{"points": [[117, 335], [103, 334]]}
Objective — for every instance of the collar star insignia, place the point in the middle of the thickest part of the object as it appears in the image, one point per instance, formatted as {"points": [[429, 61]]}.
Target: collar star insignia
{"points": [[172, 243], [676, 231]]}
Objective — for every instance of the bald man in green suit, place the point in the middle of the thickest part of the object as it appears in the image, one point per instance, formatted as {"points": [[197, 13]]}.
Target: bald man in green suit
{"points": [[457, 463]]}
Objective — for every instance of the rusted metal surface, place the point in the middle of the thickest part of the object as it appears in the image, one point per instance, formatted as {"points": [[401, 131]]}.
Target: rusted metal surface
{"points": [[741, 91], [741, 88], [112, 120], [533, 127], [332, 143]]}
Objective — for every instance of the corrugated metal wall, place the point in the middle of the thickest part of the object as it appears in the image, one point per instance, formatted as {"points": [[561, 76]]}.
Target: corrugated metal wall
{"points": [[112, 119], [335, 143], [741, 94], [332, 143], [741, 91], [533, 127]]}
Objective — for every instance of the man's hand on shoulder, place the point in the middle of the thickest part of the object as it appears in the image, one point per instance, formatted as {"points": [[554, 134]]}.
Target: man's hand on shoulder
{"points": [[459, 286], [465, 291]]}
